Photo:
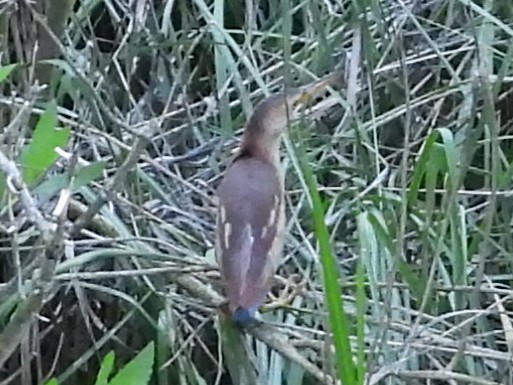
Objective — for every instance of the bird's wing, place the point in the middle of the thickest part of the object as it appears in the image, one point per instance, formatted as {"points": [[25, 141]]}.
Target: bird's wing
{"points": [[249, 214]]}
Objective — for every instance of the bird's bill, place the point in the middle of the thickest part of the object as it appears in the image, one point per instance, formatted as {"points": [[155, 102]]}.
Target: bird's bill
{"points": [[310, 91]]}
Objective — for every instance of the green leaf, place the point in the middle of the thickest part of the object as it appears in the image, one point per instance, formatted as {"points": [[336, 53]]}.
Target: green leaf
{"points": [[105, 369], [83, 176], [450, 153], [87, 174], [40, 154], [49, 188], [52, 381], [138, 370], [416, 283], [420, 168], [361, 307], [5, 71], [338, 319], [2, 188]]}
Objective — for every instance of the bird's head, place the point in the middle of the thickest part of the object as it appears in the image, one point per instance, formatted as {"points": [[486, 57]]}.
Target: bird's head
{"points": [[271, 115]]}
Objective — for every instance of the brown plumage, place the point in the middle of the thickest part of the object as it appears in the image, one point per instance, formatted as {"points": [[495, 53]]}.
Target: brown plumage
{"points": [[251, 211]]}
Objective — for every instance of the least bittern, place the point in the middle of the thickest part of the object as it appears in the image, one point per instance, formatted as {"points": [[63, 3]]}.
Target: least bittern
{"points": [[251, 211]]}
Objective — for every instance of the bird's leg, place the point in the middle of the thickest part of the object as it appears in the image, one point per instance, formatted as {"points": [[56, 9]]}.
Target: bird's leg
{"points": [[286, 297]]}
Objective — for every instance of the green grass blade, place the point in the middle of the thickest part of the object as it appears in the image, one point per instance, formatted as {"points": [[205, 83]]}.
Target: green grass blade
{"points": [[105, 369], [361, 300], [138, 370], [40, 153], [338, 320], [5, 71]]}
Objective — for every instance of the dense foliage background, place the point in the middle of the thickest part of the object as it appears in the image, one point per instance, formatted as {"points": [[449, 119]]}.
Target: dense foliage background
{"points": [[106, 244]]}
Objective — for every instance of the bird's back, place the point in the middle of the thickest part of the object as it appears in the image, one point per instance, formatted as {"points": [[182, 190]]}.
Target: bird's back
{"points": [[250, 215]]}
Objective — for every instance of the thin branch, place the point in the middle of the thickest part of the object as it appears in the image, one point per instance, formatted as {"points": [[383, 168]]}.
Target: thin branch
{"points": [[15, 181], [140, 144], [19, 324], [265, 333]]}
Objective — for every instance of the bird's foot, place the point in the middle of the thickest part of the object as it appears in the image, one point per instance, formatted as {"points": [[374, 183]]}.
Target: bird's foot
{"points": [[293, 286]]}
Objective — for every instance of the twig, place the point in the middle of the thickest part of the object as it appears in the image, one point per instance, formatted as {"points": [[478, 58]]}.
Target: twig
{"points": [[15, 181], [270, 336], [43, 25], [267, 334], [16, 329], [279, 342], [140, 144], [19, 325], [444, 375]]}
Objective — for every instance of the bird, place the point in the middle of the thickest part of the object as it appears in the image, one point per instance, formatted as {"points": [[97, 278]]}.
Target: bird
{"points": [[250, 220]]}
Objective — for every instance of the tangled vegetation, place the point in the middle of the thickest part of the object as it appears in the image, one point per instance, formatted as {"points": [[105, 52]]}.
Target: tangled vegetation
{"points": [[118, 118]]}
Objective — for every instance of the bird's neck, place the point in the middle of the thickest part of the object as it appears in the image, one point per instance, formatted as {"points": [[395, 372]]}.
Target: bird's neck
{"points": [[261, 146]]}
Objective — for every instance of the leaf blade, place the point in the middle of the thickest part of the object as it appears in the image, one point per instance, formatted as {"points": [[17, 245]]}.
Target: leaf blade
{"points": [[40, 153], [138, 370]]}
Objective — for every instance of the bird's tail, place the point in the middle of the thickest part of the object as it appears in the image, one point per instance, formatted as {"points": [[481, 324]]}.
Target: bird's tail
{"points": [[242, 316]]}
